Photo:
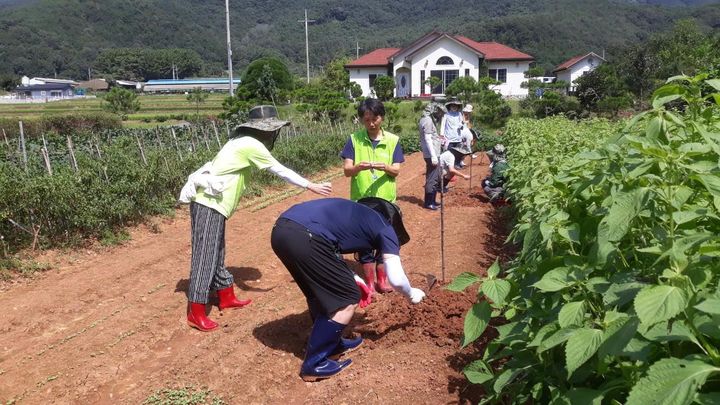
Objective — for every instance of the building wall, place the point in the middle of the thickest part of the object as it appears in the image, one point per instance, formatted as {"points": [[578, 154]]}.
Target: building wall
{"points": [[570, 75], [426, 60], [515, 77], [361, 76], [48, 94]]}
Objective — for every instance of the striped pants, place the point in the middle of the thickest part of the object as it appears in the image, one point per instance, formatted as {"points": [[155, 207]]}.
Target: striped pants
{"points": [[207, 265]]}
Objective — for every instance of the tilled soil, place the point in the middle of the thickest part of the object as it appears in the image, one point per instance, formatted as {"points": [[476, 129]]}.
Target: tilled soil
{"points": [[108, 325]]}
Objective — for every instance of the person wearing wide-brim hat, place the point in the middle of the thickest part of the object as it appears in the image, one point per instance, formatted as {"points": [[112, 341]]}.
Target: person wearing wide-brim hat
{"points": [[213, 192], [452, 123], [431, 147], [309, 239]]}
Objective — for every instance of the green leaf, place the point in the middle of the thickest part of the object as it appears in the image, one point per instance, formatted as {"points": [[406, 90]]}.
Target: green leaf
{"points": [[659, 303], [506, 378], [715, 83], [497, 290], [553, 280], [478, 372], [557, 338], [617, 335], [653, 128], [671, 381], [572, 314], [710, 306], [625, 207], [540, 335], [571, 233], [666, 94], [494, 270], [476, 320], [585, 396], [581, 346], [620, 294], [711, 183], [463, 281], [677, 333]]}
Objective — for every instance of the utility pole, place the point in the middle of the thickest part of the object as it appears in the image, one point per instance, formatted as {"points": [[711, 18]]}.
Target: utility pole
{"points": [[357, 50], [307, 46], [229, 50]]}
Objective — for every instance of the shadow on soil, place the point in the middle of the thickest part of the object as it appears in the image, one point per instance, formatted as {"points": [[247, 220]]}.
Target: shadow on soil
{"points": [[287, 334], [243, 275], [411, 199]]}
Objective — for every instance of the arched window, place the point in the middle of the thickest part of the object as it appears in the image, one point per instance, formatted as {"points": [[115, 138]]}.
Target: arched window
{"points": [[445, 60]]}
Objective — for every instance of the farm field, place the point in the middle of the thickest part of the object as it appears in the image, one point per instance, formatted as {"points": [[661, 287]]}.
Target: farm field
{"points": [[108, 326], [152, 106]]}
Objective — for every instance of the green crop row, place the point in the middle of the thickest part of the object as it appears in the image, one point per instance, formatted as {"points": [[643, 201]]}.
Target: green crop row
{"points": [[114, 186], [614, 296]]}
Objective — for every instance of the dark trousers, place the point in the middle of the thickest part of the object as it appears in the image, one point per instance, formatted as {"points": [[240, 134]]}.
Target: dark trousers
{"points": [[431, 177], [316, 266]]}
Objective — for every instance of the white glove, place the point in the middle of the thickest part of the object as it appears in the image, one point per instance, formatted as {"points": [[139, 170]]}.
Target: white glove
{"points": [[434, 160], [416, 295]]}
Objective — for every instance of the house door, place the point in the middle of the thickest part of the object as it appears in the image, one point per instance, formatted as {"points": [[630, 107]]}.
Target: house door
{"points": [[402, 85], [446, 77]]}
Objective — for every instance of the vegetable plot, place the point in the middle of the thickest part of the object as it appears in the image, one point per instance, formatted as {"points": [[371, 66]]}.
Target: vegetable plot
{"points": [[614, 296]]}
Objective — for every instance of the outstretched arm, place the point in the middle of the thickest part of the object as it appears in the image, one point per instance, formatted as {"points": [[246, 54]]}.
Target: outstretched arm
{"points": [[398, 279], [296, 179]]}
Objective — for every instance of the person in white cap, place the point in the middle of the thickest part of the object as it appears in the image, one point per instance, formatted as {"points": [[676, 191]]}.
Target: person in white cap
{"points": [[214, 192]]}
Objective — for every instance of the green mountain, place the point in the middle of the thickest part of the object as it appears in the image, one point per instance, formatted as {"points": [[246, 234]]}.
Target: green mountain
{"points": [[64, 37]]}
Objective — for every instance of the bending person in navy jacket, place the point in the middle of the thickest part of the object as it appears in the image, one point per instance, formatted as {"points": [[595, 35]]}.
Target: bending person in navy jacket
{"points": [[309, 239]]}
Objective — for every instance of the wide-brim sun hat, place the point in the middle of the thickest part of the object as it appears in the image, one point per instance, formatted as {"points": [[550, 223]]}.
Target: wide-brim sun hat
{"points": [[263, 118], [453, 101], [468, 108], [462, 149], [391, 213]]}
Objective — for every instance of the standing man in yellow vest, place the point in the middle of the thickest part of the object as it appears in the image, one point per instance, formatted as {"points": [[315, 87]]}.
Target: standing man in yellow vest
{"points": [[371, 158]]}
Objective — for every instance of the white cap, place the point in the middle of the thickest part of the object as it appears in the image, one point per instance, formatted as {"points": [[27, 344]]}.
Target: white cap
{"points": [[468, 108]]}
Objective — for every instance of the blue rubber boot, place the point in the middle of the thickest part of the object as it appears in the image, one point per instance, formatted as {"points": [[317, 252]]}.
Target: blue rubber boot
{"points": [[345, 346], [325, 337]]}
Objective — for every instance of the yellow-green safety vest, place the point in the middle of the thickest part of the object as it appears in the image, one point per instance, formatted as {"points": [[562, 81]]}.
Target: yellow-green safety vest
{"points": [[373, 183]]}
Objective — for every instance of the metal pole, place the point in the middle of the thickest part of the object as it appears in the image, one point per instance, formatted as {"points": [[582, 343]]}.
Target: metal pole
{"points": [[442, 221], [229, 49], [307, 46]]}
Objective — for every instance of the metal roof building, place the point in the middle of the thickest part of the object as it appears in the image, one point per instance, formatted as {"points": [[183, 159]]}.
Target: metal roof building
{"points": [[182, 85]]}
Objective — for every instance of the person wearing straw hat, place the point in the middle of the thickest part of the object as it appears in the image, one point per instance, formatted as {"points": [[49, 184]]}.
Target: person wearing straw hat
{"points": [[310, 238], [452, 123], [214, 192], [493, 185], [431, 146]]}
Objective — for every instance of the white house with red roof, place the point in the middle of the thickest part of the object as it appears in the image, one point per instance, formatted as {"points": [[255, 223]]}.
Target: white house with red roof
{"points": [[575, 67], [446, 57]]}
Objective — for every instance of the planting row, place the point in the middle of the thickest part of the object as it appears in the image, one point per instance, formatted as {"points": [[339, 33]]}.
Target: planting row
{"points": [[614, 295]]}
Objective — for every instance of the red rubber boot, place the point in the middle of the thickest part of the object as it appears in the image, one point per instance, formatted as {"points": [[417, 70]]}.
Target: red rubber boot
{"points": [[382, 281], [197, 319], [228, 299]]}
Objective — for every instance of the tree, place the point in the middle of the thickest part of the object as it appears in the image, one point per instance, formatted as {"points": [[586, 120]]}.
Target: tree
{"points": [[148, 64], [121, 101], [594, 86], [266, 87], [336, 77], [463, 87], [260, 82], [8, 81], [535, 71], [197, 96], [384, 87], [434, 82]]}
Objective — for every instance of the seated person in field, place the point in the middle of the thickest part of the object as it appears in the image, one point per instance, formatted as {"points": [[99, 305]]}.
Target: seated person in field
{"points": [[493, 184]]}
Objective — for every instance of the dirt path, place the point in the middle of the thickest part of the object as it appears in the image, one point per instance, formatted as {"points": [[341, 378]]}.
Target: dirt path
{"points": [[108, 326]]}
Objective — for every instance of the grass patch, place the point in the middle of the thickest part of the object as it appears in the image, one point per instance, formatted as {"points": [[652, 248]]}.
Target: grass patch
{"points": [[188, 395], [114, 238], [12, 266]]}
